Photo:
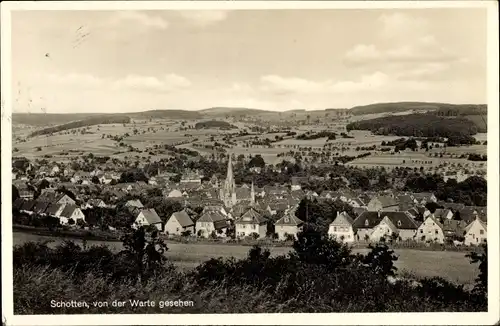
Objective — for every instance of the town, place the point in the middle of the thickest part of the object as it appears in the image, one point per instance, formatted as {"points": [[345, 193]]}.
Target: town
{"points": [[230, 197], [251, 161]]}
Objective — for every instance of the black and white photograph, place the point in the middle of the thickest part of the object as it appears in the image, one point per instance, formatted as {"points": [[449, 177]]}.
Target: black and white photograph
{"points": [[209, 160]]}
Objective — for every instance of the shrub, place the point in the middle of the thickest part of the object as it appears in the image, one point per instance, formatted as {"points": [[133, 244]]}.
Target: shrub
{"points": [[481, 286]]}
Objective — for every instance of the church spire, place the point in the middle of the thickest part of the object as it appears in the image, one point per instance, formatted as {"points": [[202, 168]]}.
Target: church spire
{"points": [[229, 177]]}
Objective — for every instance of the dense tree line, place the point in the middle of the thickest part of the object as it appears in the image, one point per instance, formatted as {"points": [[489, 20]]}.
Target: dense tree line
{"points": [[322, 134], [214, 124], [434, 108], [477, 157], [472, 191], [107, 119], [418, 125]]}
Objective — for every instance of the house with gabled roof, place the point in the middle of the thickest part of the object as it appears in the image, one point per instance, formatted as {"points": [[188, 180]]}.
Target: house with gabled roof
{"points": [[28, 206], [239, 209], [383, 203], [385, 229], [287, 226], [71, 212], [364, 198], [470, 213], [178, 223], [17, 204], [405, 202], [454, 229], [251, 222], [175, 193], [278, 205], [211, 221], [367, 221], [342, 228], [358, 211], [52, 196], [54, 209], [135, 203], [40, 207], [431, 230], [423, 198], [94, 202], [146, 217], [215, 208], [442, 214], [475, 232]]}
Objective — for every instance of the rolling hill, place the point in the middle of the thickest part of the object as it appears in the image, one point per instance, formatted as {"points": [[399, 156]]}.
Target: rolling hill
{"points": [[96, 120], [418, 106], [49, 119], [418, 125], [232, 111], [167, 114], [476, 113]]}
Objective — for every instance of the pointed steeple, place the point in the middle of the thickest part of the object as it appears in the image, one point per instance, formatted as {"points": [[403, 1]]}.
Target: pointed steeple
{"points": [[229, 176]]}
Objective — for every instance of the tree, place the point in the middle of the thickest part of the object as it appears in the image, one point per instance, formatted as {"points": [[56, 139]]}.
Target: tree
{"points": [[257, 161], [145, 251], [381, 260], [95, 180], [481, 286], [313, 247], [15, 193]]}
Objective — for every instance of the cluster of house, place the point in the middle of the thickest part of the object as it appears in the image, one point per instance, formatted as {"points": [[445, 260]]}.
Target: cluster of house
{"points": [[389, 214], [51, 203], [380, 220]]}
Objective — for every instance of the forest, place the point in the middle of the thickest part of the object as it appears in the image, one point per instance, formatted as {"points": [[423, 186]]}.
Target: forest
{"points": [[99, 120], [460, 130]]}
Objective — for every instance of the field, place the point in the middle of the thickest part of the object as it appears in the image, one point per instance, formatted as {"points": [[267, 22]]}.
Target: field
{"points": [[146, 133], [155, 133], [451, 265]]}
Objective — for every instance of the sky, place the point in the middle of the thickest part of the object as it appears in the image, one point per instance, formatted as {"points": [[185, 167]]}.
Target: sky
{"points": [[127, 61]]}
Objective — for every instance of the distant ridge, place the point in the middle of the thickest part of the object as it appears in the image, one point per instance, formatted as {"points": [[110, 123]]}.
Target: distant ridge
{"points": [[393, 107], [473, 112], [232, 111]]}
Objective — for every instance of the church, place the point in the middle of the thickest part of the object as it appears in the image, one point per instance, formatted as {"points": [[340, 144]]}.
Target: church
{"points": [[230, 194]]}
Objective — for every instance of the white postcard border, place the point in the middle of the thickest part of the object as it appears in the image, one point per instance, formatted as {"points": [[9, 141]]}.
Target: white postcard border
{"points": [[489, 318]]}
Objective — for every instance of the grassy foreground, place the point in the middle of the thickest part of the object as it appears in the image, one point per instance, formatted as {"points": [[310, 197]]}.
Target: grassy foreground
{"points": [[319, 275]]}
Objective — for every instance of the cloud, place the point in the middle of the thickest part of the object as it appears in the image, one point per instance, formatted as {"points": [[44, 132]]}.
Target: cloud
{"points": [[406, 49], [239, 87], [423, 49], [72, 80], [203, 18], [139, 18], [398, 25], [281, 85], [285, 86], [166, 83]]}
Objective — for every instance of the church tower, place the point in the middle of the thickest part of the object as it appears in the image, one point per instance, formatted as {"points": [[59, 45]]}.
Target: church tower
{"points": [[228, 191]]}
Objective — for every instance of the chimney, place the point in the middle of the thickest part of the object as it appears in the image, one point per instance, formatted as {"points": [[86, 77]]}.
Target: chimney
{"points": [[379, 212]]}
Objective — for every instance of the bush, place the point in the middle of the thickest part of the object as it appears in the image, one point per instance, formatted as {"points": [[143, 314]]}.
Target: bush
{"points": [[481, 286], [321, 275], [186, 233]]}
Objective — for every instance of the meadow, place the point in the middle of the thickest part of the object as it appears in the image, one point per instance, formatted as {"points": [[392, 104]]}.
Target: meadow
{"points": [[160, 132], [453, 266]]}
